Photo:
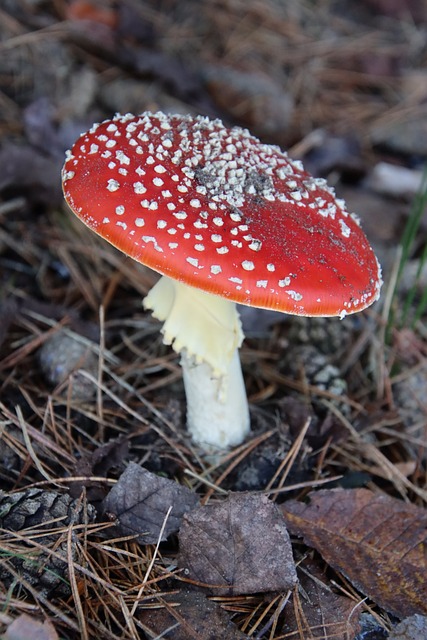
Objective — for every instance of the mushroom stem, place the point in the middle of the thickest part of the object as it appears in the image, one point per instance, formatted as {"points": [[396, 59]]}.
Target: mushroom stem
{"points": [[206, 330], [217, 408]]}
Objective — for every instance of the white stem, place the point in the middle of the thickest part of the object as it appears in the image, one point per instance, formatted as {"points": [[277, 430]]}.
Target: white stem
{"points": [[217, 408], [206, 330]]}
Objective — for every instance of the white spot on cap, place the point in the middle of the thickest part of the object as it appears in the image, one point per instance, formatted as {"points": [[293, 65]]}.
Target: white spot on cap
{"points": [[120, 210], [294, 295], [199, 247], [158, 182], [215, 269], [122, 157], [222, 250], [248, 265], [139, 222], [235, 280], [215, 237], [255, 245], [285, 282], [345, 229], [149, 204], [271, 267], [94, 148], [262, 284], [113, 185], [195, 202], [138, 187], [159, 168], [218, 221], [193, 261], [110, 144], [161, 224], [148, 239], [173, 245], [140, 171]]}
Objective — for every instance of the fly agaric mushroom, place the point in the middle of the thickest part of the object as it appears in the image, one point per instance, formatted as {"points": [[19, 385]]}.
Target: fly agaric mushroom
{"points": [[225, 219]]}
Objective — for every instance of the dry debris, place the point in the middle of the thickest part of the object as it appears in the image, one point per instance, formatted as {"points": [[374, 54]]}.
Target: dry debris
{"points": [[147, 506], [86, 472], [376, 541], [239, 545]]}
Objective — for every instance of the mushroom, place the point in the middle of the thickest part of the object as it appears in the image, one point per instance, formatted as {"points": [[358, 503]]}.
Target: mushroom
{"points": [[224, 219]]}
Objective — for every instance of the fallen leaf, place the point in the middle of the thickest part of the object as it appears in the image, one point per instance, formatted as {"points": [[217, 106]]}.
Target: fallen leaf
{"points": [[112, 454], [190, 615], [140, 501], [412, 628], [25, 627], [376, 541], [40, 128], [237, 546], [80, 10], [25, 168], [167, 69], [316, 611], [257, 100]]}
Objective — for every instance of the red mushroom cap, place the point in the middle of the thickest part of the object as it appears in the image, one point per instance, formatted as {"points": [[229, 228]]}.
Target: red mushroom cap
{"points": [[217, 209]]}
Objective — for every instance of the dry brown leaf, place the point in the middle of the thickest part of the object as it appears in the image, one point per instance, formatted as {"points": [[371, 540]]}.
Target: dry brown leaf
{"points": [[237, 546], [25, 627], [378, 542], [141, 501], [316, 611], [191, 616]]}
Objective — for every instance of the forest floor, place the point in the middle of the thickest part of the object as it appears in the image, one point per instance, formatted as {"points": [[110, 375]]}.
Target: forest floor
{"points": [[93, 445]]}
